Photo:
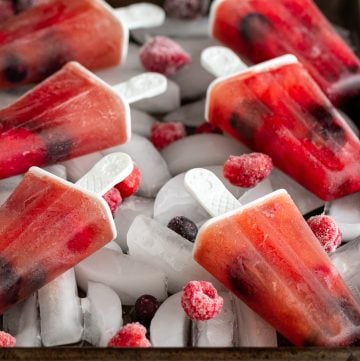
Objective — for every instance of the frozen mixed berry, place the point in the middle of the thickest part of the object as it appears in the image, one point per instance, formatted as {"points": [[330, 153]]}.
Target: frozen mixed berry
{"points": [[130, 335], [145, 308], [6, 340], [19, 150], [247, 170], [162, 55], [131, 184], [326, 231], [163, 134], [113, 199], [184, 226], [186, 9], [201, 301], [207, 127]]}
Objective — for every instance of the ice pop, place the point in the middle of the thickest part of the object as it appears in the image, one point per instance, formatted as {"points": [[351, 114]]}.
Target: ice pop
{"points": [[48, 225], [276, 108], [260, 30], [70, 114], [9, 8], [266, 254], [39, 41]]}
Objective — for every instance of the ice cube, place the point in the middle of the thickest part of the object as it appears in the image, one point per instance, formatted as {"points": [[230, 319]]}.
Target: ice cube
{"points": [[129, 209], [141, 122], [174, 200], [175, 28], [132, 61], [60, 311], [346, 259], [154, 171], [193, 79], [304, 199], [128, 277], [152, 243], [170, 325], [261, 189], [22, 321], [219, 331], [200, 150], [346, 212], [114, 246], [191, 114], [102, 314], [252, 330]]}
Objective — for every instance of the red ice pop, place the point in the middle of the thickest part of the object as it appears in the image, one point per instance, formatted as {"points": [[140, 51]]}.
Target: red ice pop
{"points": [[10, 8], [260, 30], [276, 108], [48, 225], [39, 41], [72, 113]]}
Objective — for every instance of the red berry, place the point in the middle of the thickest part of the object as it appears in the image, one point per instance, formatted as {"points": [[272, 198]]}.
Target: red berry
{"points": [[201, 301], [247, 170], [163, 134], [163, 55], [130, 335], [186, 9], [19, 150], [326, 231], [145, 308], [81, 241], [131, 184], [6, 340], [207, 127], [113, 199]]}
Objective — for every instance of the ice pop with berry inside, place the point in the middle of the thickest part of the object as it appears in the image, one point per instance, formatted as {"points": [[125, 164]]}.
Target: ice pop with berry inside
{"points": [[259, 30], [265, 253], [39, 41], [48, 225], [277, 108], [70, 114], [10, 8]]}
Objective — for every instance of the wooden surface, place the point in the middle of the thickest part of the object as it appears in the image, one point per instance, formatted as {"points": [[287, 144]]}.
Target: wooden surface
{"points": [[87, 354]]}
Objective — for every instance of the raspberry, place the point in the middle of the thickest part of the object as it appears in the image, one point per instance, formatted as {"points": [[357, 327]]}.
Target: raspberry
{"points": [[6, 340], [19, 150], [184, 226], [145, 308], [326, 231], [186, 9], [163, 134], [163, 55], [247, 170], [207, 127], [130, 335], [201, 301], [131, 184], [113, 199]]}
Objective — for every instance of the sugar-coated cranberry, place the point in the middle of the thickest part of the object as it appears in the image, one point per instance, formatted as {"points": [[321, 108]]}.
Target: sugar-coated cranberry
{"points": [[113, 199], [163, 134], [184, 226], [145, 308], [131, 184], [207, 127], [201, 301], [6, 340], [247, 170], [163, 55], [130, 335]]}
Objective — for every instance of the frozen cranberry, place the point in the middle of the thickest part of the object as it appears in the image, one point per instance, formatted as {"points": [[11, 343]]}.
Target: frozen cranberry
{"points": [[163, 134], [131, 335], [113, 199], [247, 170], [207, 127], [163, 55], [6, 340], [131, 184]]}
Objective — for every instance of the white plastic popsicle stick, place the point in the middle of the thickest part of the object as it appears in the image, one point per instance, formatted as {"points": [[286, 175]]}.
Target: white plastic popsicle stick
{"points": [[142, 15], [221, 61], [106, 173], [210, 192], [143, 86]]}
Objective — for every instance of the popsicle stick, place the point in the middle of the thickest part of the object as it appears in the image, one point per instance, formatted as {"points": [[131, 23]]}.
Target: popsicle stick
{"points": [[210, 192], [142, 15], [221, 61], [106, 173], [143, 86]]}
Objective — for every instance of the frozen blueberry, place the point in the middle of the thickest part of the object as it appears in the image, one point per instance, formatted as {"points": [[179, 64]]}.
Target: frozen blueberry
{"points": [[35, 279], [253, 27], [21, 5], [58, 146], [145, 308], [15, 71], [9, 283], [184, 226], [241, 127]]}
